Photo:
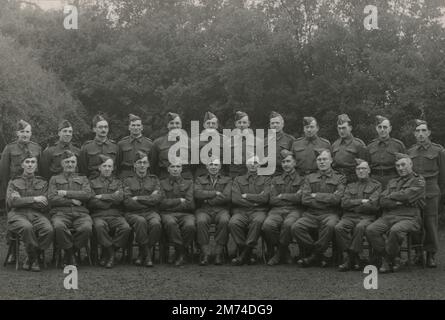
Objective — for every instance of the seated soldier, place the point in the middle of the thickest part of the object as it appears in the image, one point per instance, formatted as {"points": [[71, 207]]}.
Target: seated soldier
{"points": [[321, 193], [361, 205], [401, 202], [177, 210], [250, 198], [26, 197], [68, 194], [142, 196], [112, 230], [285, 200], [213, 192]]}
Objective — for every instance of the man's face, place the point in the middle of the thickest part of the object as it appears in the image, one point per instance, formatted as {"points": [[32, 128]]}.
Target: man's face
{"points": [[242, 123], [277, 123], [25, 134], [174, 124], [383, 129], [135, 128], [252, 166], [175, 170], [66, 134], [404, 167], [213, 168], [106, 168], [362, 170], [69, 164], [324, 161], [422, 133], [101, 129], [141, 166], [288, 163], [211, 124], [29, 165], [344, 130], [311, 129]]}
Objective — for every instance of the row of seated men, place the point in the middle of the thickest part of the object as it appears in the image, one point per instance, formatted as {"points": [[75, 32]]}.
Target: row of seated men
{"points": [[428, 157], [284, 207]]}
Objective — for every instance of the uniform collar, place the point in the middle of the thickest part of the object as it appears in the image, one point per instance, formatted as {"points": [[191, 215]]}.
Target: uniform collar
{"points": [[138, 139], [63, 145], [347, 140], [28, 177], [384, 140], [100, 142], [310, 139], [425, 145], [172, 179], [105, 179], [326, 173], [290, 174]]}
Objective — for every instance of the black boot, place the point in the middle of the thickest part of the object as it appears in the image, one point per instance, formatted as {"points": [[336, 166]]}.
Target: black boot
{"points": [[430, 260], [148, 260], [141, 256], [347, 263], [110, 260], [180, 255]]}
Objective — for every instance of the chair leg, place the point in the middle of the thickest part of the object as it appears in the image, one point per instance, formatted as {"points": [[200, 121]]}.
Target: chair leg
{"points": [[408, 240], [8, 254], [17, 252]]}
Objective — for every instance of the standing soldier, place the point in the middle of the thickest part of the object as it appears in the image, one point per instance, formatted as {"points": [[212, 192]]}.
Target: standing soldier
{"points": [[130, 145], [26, 197], [283, 140], [239, 142], [250, 197], [382, 152], [321, 194], [177, 210], [285, 200], [401, 202], [50, 161], [210, 128], [213, 193], [304, 148], [360, 204], [10, 164], [90, 151], [68, 194], [142, 196], [429, 161], [346, 149], [112, 230], [159, 156]]}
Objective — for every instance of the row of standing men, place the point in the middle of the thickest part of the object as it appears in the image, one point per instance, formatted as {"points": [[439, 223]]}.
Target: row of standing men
{"points": [[427, 157]]}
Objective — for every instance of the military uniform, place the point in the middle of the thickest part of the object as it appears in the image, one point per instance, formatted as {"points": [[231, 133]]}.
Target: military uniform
{"points": [[142, 214], [89, 159], [382, 158], [357, 215], [66, 215], [322, 210], [249, 213], [159, 158], [212, 209], [240, 143], [177, 217], [201, 167], [11, 161], [344, 153], [286, 209], [401, 203], [283, 141], [110, 226], [429, 161], [51, 158], [128, 147], [26, 217], [304, 152]]}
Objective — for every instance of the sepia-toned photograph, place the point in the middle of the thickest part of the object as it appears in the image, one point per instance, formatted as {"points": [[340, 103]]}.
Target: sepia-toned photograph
{"points": [[242, 150]]}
